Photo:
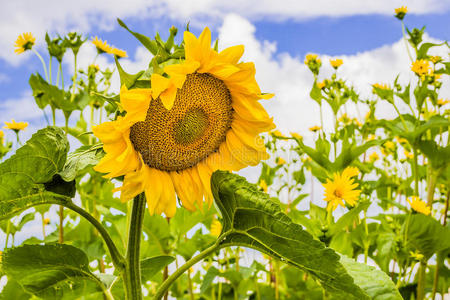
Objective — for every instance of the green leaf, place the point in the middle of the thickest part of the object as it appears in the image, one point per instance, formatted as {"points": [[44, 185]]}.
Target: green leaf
{"points": [[422, 52], [375, 283], [81, 158], [153, 265], [209, 278], [347, 219], [427, 235], [29, 177], [13, 290], [126, 79], [51, 271], [148, 43], [252, 219], [45, 93]]}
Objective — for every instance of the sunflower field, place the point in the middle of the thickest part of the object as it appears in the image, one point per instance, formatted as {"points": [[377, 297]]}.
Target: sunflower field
{"points": [[150, 206]]}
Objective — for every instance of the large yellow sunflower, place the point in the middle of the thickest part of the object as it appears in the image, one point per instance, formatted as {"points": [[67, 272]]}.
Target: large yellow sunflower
{"points": [[203, 116], [341, 188]]}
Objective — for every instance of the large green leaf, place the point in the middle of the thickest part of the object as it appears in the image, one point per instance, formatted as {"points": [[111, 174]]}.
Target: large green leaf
{"points": [[252, 219], [427, 235], [29, 177], [51, 271], [152, 265], [375, 283], [81, 158]]}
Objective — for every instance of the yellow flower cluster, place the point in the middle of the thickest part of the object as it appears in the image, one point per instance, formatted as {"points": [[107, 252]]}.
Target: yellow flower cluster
{"points": [[401, 12], [311, 57], [103, 47]]}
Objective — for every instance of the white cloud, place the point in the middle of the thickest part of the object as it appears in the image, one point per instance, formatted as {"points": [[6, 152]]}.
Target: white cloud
{"points": [[47, 15]]}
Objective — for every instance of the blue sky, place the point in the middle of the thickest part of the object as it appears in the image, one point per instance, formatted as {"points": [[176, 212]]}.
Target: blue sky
{"points": [[326, 35]]}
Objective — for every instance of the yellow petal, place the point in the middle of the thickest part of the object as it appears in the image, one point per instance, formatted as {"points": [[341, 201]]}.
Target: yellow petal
{"points": [[159, 84], [232, 54], [168, 97]]}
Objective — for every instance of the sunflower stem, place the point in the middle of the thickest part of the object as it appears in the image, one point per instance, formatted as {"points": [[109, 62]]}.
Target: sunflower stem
{"points": [[42, 61], [167, 283], [132, 273]]}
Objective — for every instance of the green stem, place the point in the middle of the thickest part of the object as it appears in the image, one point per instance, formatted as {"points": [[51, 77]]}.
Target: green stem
{"points": [[62, 75], [132, 273], [421, 281], [166, 284], [57, 76], [74, 83], [406, 41], [366, 243], [8, 229], [91, 124], [42, 61], [117, 258], [54, 116], [191, 289], [416, 173], [431, 186], [50, 70]]}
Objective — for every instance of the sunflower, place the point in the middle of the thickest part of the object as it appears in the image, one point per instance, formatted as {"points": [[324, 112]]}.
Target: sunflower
{"points": [[202, 117], [16, 126], [118, 52], [421, 67], [419, 205], [401, 12], [102, 46], [341, 188], [24, 42]]}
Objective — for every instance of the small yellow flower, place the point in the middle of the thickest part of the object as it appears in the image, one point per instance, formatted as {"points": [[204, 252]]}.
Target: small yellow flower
{"points": [[102, 46], [420, 67], [374, 157], [16, 126], [344, 118], [435, 59], [280, 161], [315, 128], [216, 228], [408, 154], [46, 221], [401, 140], [419, 205], [311, 58], [416, 255], [380, 86], [389, 145], [320, 85], [263, 185], [442, 102], [371, 137], [2, 134], [340, 188], [118, 52], [401, 12], [24, 42], [277, 133], [336, 63], [296, 135]]}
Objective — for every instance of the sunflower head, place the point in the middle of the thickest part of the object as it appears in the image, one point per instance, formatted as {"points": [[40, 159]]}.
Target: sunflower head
{"points": [[102, 46], [419, 205], [336, 63], [421, 67], [342, 188], [24, 42], [201, 114], [118, 52], [16, 126], [401, 12]]}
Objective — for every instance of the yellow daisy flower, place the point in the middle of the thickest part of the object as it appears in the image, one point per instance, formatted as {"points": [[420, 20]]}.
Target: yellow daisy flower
{"points": [[263, 185], [419, 205], [296, 135], [46, 221], [341, 188], [401, 12], [16, 126], [311, 57], [118, 52], [420, 67], [280, 161], [216, 228], [436, 59], [374, 157], [102, 46], [336, 63], [408, 154], [380, 86], [314, 128], [2, 135], [277, 133], [442, 102], [321, 85], [203, 117], [24, 42]]}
